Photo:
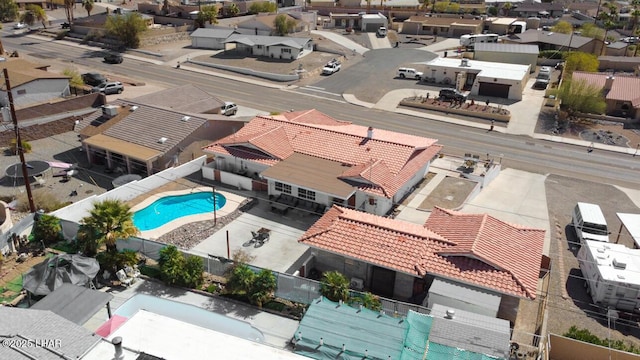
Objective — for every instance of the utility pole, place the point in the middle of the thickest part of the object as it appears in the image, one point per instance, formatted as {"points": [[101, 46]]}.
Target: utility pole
{"points": [[25, 171]]}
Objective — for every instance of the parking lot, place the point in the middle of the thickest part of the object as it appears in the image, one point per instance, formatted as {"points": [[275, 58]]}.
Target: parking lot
{"points": [[569, 304]]}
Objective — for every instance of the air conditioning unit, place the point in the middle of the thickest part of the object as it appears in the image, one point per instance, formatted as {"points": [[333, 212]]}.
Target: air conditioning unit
{"points": [[356, 284]]}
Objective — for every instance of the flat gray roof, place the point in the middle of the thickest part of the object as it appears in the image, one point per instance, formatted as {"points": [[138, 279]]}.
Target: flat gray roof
{"points": [[74, 303], [507, 48]]}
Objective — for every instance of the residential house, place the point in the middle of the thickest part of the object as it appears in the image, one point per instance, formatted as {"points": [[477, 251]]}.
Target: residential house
{"points": [[278, 47], [507, 53], [548, 40], [141, 138], [329, 330], [372, 22], [95, 23], [265, 25], [311, 156], [208, 38], [186, 98], [22, 4], [620, 63], [541, 10], [622, 93], [58, 338], [401, 260], [499, 25], [442, 26], [482, 78], [618, 48], [377, 5], [31, 84]]}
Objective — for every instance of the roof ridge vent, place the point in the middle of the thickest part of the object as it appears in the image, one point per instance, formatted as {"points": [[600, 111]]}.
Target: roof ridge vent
{"points": [[162, 140]]}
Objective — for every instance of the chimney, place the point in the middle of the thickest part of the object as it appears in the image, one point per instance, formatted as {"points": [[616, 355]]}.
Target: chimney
{"points": [[370, 132], [117, 344], [450, 314], [608, 83]]}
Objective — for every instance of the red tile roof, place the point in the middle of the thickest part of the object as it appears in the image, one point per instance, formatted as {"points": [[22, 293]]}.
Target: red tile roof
{"points": [[395, 157], [624, 88], [475, 249]]}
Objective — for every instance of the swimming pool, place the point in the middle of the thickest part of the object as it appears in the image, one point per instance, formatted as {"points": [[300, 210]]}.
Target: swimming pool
{"points": [[190, 314], [169, 208]]}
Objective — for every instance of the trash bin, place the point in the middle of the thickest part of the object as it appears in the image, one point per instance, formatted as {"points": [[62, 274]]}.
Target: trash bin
{"points": [[445, 54]]}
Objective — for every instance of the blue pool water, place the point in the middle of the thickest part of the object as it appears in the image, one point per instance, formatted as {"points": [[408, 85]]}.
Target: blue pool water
{"points": [[169, 208], [190, 314]]}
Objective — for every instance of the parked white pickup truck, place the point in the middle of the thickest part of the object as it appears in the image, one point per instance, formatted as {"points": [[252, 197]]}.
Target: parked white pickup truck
{"points": [[331, 67]]}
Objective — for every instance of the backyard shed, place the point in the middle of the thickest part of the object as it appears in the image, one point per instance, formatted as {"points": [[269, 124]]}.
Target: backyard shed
{"points": [[522, 54], [458, 296]]}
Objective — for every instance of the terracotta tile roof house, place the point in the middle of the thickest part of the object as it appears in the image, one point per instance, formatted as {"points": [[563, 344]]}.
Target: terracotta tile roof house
{"points": [[141, 138], [314, 157], [473, 249], [32, 84], [622, 93]]}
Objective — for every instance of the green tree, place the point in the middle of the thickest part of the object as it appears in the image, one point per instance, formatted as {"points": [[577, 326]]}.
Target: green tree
{"points": [[284, 24], [87, 5], [192, 275], [241, 280], [264, 284], [108, 221], [579, 96], [609, 23], [75, 78], [8, 10], [493, 11], [506, 8], [233, 9], [368, 300], [208, 14], [580, 61], [172, 265], [334, 286], [47, 229], [563, 27], [440, 6], [592, 31], [635, 13], [126, 28], [453, 8], [262, 7], [32, 14]]}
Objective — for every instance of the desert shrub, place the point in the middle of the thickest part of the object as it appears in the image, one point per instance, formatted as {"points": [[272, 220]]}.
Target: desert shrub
{"points": [[26, 147], [113, 261], [47, 229]]}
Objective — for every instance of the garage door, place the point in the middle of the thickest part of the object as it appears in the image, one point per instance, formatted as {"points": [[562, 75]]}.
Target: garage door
{"points": [[497, 90]]}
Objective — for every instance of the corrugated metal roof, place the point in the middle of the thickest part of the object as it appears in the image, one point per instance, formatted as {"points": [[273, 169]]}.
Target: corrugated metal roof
{"points": [[507, 48]]}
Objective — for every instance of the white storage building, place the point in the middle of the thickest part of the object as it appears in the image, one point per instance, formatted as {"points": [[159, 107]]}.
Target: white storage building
{"points": [[612, 274], [522, 54], [483, 78]]}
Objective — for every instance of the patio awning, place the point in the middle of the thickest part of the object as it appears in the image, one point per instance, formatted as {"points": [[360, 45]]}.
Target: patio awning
{"points": [[632, 223], [74, 303]]}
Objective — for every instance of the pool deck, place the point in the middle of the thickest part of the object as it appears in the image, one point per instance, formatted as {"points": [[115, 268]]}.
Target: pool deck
{"points": [[233, 201]]}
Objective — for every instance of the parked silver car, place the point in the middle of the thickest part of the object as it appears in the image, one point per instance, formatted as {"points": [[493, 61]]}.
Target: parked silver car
{"points": [[110, 87]]}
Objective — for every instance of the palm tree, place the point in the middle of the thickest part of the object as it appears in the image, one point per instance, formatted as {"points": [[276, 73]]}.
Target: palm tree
{"points": [[109, 221], [87, 5], [68, 9], [233, 9], [334, 286], [609, 22], [506, 8]]}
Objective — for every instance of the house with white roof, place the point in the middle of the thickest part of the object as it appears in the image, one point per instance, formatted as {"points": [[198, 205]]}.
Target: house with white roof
{"points": [[482, 78], [612, 274], [314, 161]]}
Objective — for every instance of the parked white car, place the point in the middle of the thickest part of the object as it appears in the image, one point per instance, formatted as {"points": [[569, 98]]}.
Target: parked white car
{"points": [[409, 73], [19, 26], [331, 67]]}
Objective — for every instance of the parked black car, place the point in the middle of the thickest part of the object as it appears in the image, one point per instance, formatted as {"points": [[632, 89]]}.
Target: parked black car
{"points": [[452, 95], [93, 79], [113, 59]]}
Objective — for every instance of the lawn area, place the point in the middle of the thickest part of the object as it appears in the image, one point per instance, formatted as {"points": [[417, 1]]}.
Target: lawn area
{"points": [[11, 289]]}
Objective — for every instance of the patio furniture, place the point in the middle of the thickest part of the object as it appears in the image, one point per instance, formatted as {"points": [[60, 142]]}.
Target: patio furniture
{"points": [[123, 278], [132, 272]]}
